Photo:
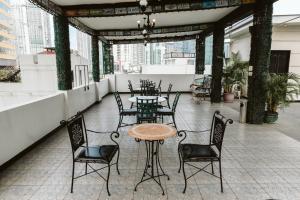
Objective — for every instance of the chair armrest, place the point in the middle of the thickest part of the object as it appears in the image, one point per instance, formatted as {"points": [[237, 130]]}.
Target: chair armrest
{"points": [[100, 132], [113, 134], [183, 133], [191, 131]]}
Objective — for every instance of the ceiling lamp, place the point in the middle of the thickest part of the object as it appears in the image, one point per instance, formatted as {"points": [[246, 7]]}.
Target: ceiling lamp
{"points": [[143, 5], [147, 27]]}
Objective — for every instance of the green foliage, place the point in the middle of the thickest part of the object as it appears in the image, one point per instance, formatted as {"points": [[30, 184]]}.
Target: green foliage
{"points": [[63, 54], [235, 72], [95, 59], [10, 75], [281, 88]]}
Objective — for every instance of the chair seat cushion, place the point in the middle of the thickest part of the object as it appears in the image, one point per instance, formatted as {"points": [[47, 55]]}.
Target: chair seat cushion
{"points": [[195, 152], [165, 111], [129, 111], [102, 154]]}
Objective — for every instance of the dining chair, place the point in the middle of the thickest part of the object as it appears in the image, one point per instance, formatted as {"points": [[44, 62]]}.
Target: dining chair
{"points": [[147, 110], [82, 152], [123, 111], [168, 95], [169, 111], [211, 152], [132, 92]]}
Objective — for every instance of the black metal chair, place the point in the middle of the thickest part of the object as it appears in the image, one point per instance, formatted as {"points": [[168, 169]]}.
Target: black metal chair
{"points": [[168, 95], [158, 89], [123, 112], [211, 152], [132, 91], [83, 153], [147, 110], [149, 91], [168, 111]]}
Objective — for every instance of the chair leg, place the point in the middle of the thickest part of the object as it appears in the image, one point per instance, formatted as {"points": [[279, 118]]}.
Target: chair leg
{"points": [[117, 164], [131, 106], [107, 180], [86, 167], [212, 167], [184, 177], [162, 119], [179, 161], [221, 178], [73, 169]]}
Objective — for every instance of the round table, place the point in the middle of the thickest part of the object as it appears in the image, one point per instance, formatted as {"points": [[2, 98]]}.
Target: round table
{"points": [[159, 99], [153, 134]]}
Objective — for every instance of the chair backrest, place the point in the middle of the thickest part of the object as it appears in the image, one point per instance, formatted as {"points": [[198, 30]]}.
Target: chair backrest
{"points": [[169, 90], [77, 131], [130, 88], [119, 101], [218, 127], [147, 109], [159, 84], [175, 102], [143, 90]]}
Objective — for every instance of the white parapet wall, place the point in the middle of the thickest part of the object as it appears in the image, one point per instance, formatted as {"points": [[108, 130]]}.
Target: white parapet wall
{"points": [[181, 82], [23, 125]]}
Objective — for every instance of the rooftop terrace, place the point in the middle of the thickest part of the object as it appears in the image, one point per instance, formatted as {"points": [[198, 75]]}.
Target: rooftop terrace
{"points": [[259, 161]]}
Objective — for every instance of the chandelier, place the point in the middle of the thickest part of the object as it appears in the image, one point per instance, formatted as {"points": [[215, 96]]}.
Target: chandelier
{"points": [[147, 28]]}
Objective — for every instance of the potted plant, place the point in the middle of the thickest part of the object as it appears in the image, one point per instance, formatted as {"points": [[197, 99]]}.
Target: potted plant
{"points": [[235, 73], [281, 89]]}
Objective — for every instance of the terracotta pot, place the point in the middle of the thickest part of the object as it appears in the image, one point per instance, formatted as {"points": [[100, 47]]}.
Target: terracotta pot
{"points": [[228, 97], [270, 117]]}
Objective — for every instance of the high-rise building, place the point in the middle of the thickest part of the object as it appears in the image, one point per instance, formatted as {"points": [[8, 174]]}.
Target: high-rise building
{"points": [[33, 28], [128, 56], [154, 53], [7, 47]]}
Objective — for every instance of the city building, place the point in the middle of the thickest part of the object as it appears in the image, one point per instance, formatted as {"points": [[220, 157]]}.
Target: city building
{"points": [[7, 48], [33, 28], [285, 48], [128, 57]]}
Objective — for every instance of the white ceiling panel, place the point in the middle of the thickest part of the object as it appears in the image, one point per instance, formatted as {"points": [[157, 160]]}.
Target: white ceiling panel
{"points": [[162, 19]]}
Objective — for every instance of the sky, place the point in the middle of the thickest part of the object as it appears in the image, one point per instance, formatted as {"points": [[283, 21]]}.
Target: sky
{"points": [[285, 7]]}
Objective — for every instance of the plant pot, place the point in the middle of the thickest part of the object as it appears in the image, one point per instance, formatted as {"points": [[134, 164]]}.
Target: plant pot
{"points": [[270, 117], [228, 97]]}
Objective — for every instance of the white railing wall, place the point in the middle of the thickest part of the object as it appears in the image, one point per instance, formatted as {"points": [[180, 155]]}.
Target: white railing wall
{"points": [[24, 124], [181, 82]]}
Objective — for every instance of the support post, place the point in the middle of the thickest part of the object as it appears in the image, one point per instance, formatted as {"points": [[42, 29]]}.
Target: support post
{"points": [[107, 59], [217, 63], [200, 55], [62, 50], [95, 58], [261, 38]]}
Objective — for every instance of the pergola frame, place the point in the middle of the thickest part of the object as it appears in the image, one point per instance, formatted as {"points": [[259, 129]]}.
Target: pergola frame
{"points": [[260, 42]]}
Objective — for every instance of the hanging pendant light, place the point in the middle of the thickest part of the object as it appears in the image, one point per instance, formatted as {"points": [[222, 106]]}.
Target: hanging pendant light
{"points": [[143, 5]]}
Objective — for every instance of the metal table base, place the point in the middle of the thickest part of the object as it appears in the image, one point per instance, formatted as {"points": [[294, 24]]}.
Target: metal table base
{"points": [[153, 169]]}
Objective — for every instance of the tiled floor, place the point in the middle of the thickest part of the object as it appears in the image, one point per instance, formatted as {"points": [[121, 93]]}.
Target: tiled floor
{"points": [[259, 161]]}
